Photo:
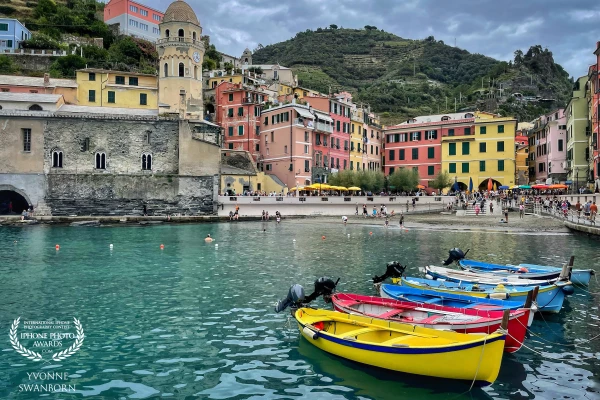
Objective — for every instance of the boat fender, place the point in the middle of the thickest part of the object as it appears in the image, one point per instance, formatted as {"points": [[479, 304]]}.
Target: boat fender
{"points": [[568, 289], [427, 276], [310, 333], [499, 296]]}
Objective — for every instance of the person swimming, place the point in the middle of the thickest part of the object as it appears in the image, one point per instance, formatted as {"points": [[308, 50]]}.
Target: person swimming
{"points": [[208, 239]]}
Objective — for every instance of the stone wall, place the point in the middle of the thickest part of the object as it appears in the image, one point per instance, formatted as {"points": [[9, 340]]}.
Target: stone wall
{"points": [[100, 194], [122, 141], [32, 63]]}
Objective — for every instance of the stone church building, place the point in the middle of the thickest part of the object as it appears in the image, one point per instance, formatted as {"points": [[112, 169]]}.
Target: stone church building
{"points": [[81, 160]]}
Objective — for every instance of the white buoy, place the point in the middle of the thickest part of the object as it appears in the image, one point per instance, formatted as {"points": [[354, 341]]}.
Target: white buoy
{"points": [[216, 245], [293, 240], [110, 246]]}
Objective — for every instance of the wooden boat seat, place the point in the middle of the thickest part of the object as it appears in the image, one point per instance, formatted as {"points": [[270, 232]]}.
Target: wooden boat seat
{"points": [[389, 314], [396, 341], [352, 334]]}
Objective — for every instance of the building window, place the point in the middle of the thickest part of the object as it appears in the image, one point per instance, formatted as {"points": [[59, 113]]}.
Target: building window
{"points": [[92, 96], [481, 166], [465, 167], [181, 33], [450, 132], [392, 156], [26, 139], [57, 159], [144, 13], [241, 130], [560, 145], [156, 17], [240, 111], [133, 9], [465, 148], [306, 166], [167, 33], [143, 99], [376, 150], [181, 69], [111, 97], [166, 70], [257, 147], [100, 161], [148, 137], [482, 130], [3, 27], [230, 112], [430, 170], [4, 90], [230, 146], [133, 81], [500, 165], [33, 91], [430, 152], [482, 147], [230, 96], [306, 137], [305, 149], [230, 131], [147, 162], [415, 154], [500, 128], [35, 107], [120, 80], [431, 135], [452, 168], [467, 131], [415, 136], [285, 149], [194, 36], [452, 149], [401, 154], [92, 76], [500, 146]]}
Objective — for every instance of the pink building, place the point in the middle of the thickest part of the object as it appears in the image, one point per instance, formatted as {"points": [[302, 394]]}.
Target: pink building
{"points": [[41, 85], [295, 144], [550, 135], [339, 110], [134, 18], [417, 143]]}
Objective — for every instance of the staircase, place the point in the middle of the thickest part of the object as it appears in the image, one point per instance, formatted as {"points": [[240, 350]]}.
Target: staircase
{"points": [[42, 209]]}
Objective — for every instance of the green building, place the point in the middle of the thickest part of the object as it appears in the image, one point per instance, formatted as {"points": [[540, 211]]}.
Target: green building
{"points": [[578, 131]]}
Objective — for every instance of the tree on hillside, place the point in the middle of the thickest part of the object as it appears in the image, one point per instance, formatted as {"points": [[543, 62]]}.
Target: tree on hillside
{"points": [[333, 26], [65, 67], [7, 66], [518, 57], [441, 181], [404, 179]]}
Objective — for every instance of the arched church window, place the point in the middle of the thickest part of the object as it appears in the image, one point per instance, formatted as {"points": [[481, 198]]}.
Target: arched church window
{"points": [[57, 158], [166, 70], [181, 33], [194, 36], [167, 33], [147, 162], [100, 160], [181, 69], [35, 107]]}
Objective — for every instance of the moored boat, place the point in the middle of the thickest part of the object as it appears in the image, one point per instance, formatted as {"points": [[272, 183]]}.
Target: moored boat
{"points": [[498, 269], [549, 298], [404, 348], [461, 320], [578, 276]]}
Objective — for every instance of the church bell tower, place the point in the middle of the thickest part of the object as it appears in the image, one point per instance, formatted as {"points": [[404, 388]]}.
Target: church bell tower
{"points": [[181, 53]]}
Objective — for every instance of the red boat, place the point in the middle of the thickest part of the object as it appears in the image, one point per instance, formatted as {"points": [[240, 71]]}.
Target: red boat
{"points": [[462, 320]]}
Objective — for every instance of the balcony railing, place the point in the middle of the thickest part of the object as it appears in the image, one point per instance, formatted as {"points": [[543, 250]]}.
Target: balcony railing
{"points": [[177, 39], [323, 127]]}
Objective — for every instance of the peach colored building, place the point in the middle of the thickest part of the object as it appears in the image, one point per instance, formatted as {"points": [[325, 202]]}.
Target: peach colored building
{"points": [[293, 138], [42, 85], [238, 112]]}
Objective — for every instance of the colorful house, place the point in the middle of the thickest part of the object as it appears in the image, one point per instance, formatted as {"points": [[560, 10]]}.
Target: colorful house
{"points": [[417, 143], [238, 180], [486, 152], [550, 147], [593, 96], [372, 138], [522, 153], [43, 85], [357, 149], [134, 19], [105, 88], [238, 112], [12, 33], [578, 132]]}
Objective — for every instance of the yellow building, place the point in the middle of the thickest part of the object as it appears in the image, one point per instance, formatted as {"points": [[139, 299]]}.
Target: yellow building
{"points": [[357, 131], [489, 152], [214, 81], [104, 88], [239, 180]]}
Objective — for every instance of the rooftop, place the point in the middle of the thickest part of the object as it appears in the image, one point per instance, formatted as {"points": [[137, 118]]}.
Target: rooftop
{"points": [[229, 170], [180, 11], [109, 71], [30, 97], [263, 66], [439, 118], [106, 110], [35, 81]]}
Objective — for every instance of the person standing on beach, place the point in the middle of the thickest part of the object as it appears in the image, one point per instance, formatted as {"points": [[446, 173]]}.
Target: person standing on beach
{"points": [[578, 208], [593, 212], [365, 210], [356, 213], [401, 220], [521, 211], [491, 207], [506, 214]]}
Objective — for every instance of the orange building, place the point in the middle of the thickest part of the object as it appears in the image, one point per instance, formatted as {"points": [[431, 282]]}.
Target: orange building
{"points": [[45, 85], [134, 19]]}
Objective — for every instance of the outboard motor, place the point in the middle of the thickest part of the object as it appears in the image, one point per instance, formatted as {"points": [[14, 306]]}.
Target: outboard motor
{"points": [[296, 298], [455, 254], [393, 270]]}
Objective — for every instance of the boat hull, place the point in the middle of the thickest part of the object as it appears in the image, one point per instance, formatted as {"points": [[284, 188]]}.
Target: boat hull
{"points": [[578, 276], [476, 359], [449, 318], [508, 270]]}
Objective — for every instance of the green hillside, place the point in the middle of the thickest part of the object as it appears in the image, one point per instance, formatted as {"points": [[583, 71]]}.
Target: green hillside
{"points": [[402, 77]]}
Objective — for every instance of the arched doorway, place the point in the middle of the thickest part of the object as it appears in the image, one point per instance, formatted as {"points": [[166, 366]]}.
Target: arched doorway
{"points": [[12, 202], [484, 185], [461, 186]]}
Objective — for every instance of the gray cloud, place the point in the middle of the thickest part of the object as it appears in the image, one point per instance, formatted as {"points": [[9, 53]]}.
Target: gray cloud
{"points": [[491, 27]]}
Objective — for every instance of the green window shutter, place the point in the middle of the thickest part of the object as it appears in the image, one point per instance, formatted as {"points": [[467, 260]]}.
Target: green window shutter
{"points": [[500, 146], [401, 157], [482, 130], [240, 111], [482, 147], [465, 148], [133, 81], [230, 146], [392, 155], [452, 149], [230, 96], [500, 165], [111, 97], [430, 170], [4, 27], [415, 154], [241, 130], [430, 152], [230, 131], [482, 166], [120, 80], [450, 132], [92, 96], [452, 168], [143, 99], [467, 131], [500, 128], [230, 112], [465, 167], [9, 43]]}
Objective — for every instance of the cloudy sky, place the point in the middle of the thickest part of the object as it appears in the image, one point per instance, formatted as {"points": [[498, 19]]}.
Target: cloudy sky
{"points": [[495, 28]]}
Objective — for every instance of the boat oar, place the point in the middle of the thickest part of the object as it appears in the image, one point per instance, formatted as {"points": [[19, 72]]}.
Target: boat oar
{"points": [[535, 293], [529, 299], [505, 319]]}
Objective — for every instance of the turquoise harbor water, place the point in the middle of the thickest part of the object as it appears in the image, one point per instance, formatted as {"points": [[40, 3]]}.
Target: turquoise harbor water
{"points": [[196, 321]]}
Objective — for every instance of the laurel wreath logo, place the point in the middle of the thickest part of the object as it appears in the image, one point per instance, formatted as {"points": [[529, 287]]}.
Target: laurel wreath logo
{"points": [[32, 355]]}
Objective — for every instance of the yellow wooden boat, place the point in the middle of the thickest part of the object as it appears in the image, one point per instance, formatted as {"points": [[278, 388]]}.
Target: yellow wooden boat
{"points": [[404, 348]]}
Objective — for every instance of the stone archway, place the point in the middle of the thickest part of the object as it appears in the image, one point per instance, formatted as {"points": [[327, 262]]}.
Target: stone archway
{"points": [[12, 200]]}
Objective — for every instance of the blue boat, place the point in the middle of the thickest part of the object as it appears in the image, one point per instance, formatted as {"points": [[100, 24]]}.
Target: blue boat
{"points": [[578, 276], [499, 269], [549, 298], [405, 293]]}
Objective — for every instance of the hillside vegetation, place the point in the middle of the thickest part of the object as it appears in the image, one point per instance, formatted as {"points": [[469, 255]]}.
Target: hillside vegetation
{"points": [[400, 77]]}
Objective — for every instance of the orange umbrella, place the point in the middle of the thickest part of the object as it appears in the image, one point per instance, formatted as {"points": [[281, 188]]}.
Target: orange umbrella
{"points": [[490, 184], [420, 187], [558, 187]]}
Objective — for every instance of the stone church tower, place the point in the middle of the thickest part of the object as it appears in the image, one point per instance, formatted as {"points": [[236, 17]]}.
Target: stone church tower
{"points": [[246, 57], [181, 53]]}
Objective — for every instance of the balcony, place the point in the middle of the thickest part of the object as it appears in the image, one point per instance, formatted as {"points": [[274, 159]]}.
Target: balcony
{"points": [[249, 100], [324, 127], [346, 148], [176, 40], [318, 142]]}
